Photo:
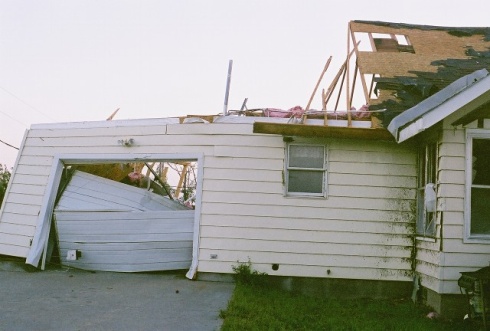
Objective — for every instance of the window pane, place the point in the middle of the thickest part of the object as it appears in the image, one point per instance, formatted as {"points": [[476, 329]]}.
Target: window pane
{"points": [[481, 161], [480, 211], [306, 156], [301, 181]]}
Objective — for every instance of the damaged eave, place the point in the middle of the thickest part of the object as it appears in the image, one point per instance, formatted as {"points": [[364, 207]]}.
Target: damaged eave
{"points": [[465, 95], [319, 131], [482, 112]]}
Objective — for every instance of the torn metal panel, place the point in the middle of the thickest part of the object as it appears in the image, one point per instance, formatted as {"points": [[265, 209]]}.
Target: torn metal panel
{"points": [[440, 105], [126, 241], [110, 226], [94, 193]]}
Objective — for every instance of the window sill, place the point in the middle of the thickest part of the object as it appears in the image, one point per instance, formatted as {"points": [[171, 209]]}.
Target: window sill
{"points": [[477, 240], [426, 239], [306, 197]]}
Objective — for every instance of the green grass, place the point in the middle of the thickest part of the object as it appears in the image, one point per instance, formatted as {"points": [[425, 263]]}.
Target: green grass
{"points": [[258, 307]]}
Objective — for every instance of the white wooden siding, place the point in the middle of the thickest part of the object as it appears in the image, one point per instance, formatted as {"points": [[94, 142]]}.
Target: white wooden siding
{"points": [[440, 270], [361, 231]]}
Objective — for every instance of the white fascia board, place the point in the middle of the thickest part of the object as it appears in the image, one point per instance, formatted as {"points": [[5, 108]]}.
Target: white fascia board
{"points": [[445, 109], [107, 124]]}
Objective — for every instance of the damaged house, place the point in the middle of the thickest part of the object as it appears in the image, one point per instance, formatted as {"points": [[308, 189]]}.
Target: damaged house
{"points": [[375, 201]]}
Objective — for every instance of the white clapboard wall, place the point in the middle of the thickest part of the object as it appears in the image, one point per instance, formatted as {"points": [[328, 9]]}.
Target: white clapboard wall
{"points": [[117, 227]]}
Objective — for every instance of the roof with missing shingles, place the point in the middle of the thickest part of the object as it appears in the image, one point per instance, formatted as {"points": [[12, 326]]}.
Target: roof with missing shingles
{"points": [[438, 56]]}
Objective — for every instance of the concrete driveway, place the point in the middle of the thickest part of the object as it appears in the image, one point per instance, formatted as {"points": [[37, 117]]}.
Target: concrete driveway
{"points": [[70, 299]]}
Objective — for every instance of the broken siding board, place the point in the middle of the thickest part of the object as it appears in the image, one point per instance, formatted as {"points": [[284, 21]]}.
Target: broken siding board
{"points": [[244, 174], [372, 169], [378, 181], [249, 151], [213, 162], [308, 236], [370, 191], [307, 224], [249, 186], [429, 256], [367, 146], [211, 208], [278, 200], [334, 190], [278, 246], [372, 157], [428, 245]]}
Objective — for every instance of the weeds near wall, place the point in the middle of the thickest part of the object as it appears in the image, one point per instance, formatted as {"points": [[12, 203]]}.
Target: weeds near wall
{"points": [[245, 274]]}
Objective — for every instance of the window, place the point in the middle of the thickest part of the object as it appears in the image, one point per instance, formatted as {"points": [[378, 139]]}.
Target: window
{"points": [[306, 170], [427, 174], [478, 185]]}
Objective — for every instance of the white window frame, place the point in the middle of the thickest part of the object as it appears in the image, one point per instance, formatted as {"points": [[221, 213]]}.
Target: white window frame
{"points": [[323, 194], [429, 173], [470, 135]]}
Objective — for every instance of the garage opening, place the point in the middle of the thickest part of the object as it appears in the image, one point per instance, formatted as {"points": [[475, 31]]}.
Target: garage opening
{"points": [[124, 215]]}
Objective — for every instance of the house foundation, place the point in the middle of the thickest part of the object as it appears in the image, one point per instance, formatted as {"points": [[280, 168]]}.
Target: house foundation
{"points": [[449, 305]]}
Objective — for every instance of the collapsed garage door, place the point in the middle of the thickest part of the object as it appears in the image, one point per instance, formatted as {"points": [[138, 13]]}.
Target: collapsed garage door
{"points": [[105, 225]]}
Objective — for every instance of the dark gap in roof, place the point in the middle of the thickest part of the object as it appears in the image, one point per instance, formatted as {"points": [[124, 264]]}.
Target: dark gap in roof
{"points": [[407, 91]]}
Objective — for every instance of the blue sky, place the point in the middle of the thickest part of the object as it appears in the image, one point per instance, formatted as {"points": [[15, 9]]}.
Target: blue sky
{"points": [[63, 61]]}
